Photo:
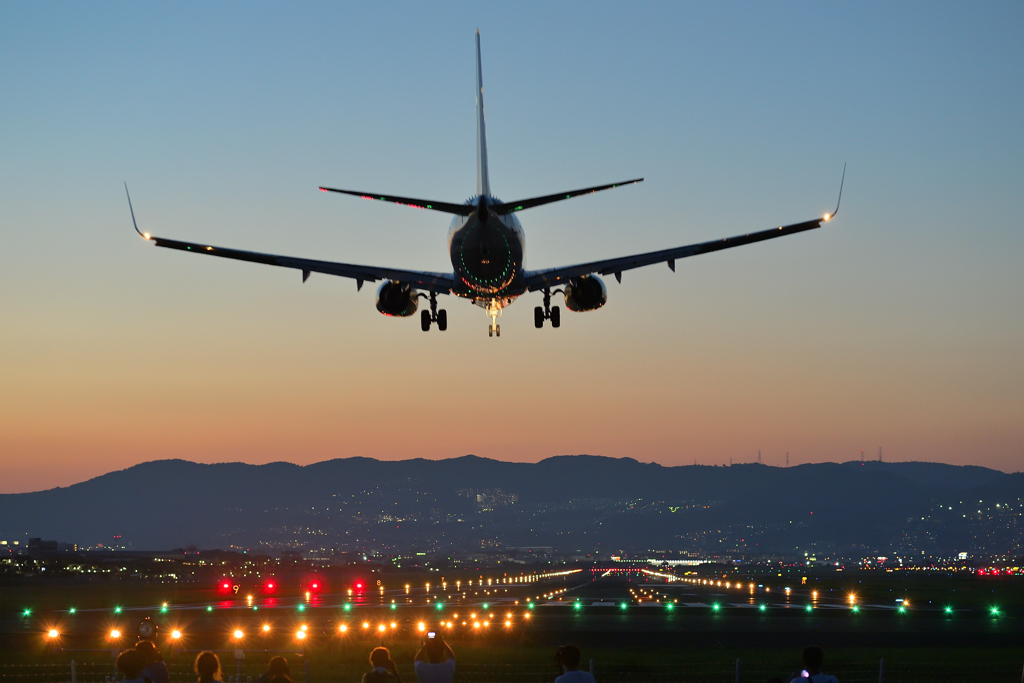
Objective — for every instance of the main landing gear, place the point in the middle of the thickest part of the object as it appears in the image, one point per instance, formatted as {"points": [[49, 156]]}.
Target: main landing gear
{"points": [[433, 315], [548, 312]]}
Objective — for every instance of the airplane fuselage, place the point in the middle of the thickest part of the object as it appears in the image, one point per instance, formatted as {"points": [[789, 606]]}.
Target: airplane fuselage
{"points": [[487, 252]]}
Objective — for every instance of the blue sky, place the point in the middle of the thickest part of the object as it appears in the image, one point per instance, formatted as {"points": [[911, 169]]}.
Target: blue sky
{"points": [[898, 325]]}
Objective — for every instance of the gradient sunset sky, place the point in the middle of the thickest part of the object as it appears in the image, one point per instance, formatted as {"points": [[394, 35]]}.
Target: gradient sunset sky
{"points": [[900, 324]]}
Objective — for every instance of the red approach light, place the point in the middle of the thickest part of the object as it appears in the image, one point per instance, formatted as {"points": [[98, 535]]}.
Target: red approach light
{"points": [[359, 585]]}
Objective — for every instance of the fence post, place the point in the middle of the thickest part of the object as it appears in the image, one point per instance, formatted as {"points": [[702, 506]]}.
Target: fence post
{"points": [[307, 668], [74, 673], [881, 670], [737, 670]]}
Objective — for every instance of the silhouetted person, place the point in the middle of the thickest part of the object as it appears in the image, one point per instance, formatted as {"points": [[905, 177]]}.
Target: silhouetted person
{"points": [[568, 659], [276, 668], [813, 658], [207, 667], [384, 668], [435, 662], [130, 665], [154, 668]]}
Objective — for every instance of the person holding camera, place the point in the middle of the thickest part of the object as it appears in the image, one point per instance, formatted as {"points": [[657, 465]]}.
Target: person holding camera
{"points": [[435, 662], [568, 660]]}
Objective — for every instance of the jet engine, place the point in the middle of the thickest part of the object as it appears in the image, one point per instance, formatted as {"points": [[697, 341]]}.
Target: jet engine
{"points": [[397, 299], [586, 293]]}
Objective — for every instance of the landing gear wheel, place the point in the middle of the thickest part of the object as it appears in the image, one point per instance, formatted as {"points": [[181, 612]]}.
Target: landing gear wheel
{"points": [[442, 320], [497, 330], [490, 330], [556, 316], [538, 317], [425, 321]]}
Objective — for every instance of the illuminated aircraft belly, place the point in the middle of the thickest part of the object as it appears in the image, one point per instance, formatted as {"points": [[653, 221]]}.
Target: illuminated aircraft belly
{"points": [[486, 259]]}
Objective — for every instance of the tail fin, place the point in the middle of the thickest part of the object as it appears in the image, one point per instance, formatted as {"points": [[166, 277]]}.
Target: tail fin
{"points": [[483, 183]]}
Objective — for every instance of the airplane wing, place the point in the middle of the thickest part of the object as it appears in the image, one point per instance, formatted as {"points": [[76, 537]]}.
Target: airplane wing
{"points": [[519, 205], [540, 279], [440, 283]]}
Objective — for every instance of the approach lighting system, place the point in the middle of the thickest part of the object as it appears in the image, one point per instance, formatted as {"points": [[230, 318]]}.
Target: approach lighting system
{"points": [[115, 634], [238, 634], [175, 634], [300, 634], [266, 628], [52, 634]]}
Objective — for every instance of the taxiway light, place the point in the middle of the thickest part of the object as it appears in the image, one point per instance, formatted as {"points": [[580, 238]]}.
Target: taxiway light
{"points": [[52, 633], [175, 634], [115, 634], [238, 634]]}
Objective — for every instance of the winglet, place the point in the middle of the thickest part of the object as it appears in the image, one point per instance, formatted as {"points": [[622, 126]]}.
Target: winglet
{"points": [[830, 216], [145, 235]]}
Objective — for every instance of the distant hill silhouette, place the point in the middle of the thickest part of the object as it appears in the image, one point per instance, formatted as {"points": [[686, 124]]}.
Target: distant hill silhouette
{"points": [[581, 503]]}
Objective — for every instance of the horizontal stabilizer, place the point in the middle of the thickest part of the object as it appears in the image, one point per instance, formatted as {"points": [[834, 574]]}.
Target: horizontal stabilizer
{"points": [[512, 207], [445, 207]]}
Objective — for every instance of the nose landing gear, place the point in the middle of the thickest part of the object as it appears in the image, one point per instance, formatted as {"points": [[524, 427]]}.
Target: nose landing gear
{"points": [[548, 312], [433, 315], [493, 310]]}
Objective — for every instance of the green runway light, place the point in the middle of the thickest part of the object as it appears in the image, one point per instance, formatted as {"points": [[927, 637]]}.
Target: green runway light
{"points": [[254, 608], [763, 608], [302, 608], [530, 605], [669, 606], [394, 606], [209, 608], [485, 605], [622, 605], [348, 606], [577, 605], [994, 611], [810, 608], [117, 610], [949, 610], [716, 607], [27, 611], [902, 609], [163, 609], [855, 608], [71, 611], [440, 605]]}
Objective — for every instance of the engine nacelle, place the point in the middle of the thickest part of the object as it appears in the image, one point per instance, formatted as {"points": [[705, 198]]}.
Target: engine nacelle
{"points": [[397, 299], [586, 293]]}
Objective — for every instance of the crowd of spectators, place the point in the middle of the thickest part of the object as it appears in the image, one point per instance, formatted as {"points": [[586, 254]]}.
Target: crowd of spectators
{"points": [[433, 663]]}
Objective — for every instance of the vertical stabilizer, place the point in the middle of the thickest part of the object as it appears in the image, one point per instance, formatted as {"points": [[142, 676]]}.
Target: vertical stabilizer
{"points": [[483, 183]]}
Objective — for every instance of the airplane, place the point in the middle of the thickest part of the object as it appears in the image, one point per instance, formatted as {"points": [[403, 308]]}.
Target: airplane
{"points": [[487, 246]]}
